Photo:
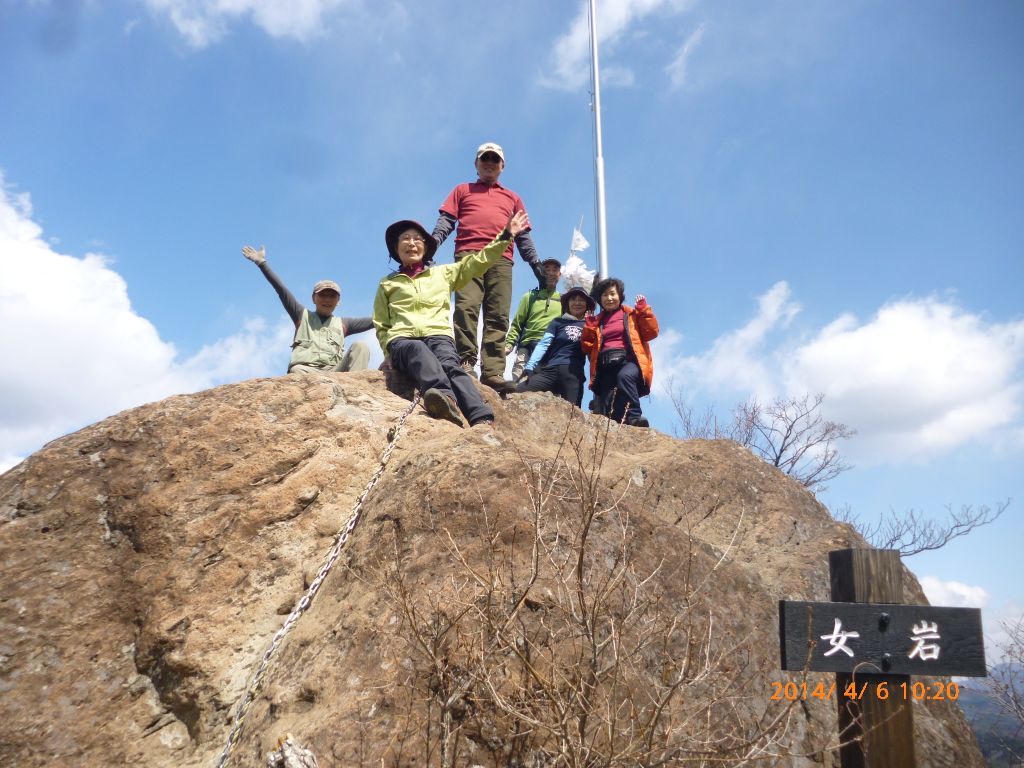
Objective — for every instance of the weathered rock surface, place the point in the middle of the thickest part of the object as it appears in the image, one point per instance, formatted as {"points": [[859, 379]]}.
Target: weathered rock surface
{"points": [[148, 559]]}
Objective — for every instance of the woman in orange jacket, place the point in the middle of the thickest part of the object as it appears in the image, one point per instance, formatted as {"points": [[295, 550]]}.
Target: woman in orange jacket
{"points": [[617, 343]]}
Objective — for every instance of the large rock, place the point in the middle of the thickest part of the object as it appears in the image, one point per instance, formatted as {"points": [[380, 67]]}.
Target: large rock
{"points": [[148, 560]]}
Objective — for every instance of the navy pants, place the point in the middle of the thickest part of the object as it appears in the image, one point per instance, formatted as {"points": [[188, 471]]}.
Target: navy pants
{"points": [[432, 363], [563, 380], [625, 382]]}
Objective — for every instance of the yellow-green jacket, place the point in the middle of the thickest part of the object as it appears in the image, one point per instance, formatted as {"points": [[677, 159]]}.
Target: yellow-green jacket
{"points": [[420, 306]]}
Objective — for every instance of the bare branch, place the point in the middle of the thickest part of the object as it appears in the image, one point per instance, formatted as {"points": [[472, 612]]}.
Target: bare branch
{"points": [[560, 646], [912, 532], [790, 434]]}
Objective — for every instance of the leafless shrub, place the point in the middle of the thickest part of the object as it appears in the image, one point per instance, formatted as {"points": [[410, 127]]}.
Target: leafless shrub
{"points": [[789, 433], [556, 647], [912, 532], [1006, 681]]}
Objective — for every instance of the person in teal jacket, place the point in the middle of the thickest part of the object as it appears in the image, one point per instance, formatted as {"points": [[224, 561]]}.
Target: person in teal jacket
{"points": [[412, 315]]}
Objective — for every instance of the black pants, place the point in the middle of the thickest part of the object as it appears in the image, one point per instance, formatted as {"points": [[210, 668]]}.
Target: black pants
{"points": [[432, 363], [563, 380], [625, 381]]}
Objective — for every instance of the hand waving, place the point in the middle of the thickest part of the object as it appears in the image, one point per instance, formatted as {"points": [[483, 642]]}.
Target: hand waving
{"points": [[518, 223], [256, 257]]}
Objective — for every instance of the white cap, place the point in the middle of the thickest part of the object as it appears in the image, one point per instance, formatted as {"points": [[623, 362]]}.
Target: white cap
{"points": [[490, 146]]}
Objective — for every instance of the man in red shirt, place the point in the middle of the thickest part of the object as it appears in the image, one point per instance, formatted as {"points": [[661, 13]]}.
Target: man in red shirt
{"points": [[479, 209]]}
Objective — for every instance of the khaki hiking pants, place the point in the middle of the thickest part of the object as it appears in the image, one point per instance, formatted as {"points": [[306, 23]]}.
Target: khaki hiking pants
{"points": [[356, 358], [491, 292]]}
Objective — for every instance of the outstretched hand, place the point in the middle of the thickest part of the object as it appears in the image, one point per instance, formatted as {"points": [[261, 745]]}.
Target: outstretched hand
{"points": [[590, 319], [256, 257], [518, 223], [640, 299]]}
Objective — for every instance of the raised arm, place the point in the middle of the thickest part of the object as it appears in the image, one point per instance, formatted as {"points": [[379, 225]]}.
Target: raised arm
{"points": [[288, 301], [354, 325], [644, 319], [529, 253], [477, 263], [444, 227]]}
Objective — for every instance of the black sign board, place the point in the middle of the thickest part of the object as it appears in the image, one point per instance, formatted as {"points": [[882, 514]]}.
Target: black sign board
{"points": [[880, 638]]}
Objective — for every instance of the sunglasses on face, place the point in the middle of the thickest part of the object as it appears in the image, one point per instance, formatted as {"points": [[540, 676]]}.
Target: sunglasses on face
{"points": [[490, 157], [328, 294], [411, 239]]}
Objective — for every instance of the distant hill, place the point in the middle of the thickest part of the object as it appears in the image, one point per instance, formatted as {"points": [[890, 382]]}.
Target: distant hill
{"points": [[1000, 737]]}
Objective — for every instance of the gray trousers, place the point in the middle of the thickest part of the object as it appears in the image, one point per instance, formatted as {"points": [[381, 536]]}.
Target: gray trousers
{"points": [[523, 352], [356, 358]]}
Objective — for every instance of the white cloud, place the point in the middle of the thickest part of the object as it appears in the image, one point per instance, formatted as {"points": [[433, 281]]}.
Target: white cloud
{"points": [[739, 360], [75, 350], [953, 594], [203, 22], [570, 59], [677, 69], [919, 378], [995, 618]]}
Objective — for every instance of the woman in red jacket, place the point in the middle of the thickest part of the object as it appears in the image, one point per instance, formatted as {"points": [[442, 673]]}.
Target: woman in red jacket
{"points": [[621, 367]]}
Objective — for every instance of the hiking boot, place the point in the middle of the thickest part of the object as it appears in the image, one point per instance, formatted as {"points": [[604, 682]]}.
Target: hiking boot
{"points": [[442, 406], [467, 366], [487, 423], [640, 421], [499, 385]]}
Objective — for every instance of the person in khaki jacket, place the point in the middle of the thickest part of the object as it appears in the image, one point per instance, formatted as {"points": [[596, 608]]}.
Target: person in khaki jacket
{"points": [[319, 342], [412, 312]]}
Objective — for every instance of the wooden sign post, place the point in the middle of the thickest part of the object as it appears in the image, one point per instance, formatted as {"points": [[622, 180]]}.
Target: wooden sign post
{"points": [[874, 644], [870, 726]]}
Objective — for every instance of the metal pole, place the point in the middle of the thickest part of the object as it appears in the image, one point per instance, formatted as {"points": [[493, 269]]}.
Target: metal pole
{"points": [[602, 233]]}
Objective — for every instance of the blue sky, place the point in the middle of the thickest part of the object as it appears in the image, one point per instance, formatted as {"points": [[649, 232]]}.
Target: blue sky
{"points": [[814, 197]]}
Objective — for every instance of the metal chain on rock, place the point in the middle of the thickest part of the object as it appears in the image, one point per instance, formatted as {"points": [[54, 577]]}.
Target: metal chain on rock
{"points": [[307, 599]]}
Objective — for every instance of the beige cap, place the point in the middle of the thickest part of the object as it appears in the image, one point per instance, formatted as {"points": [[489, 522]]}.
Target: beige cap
{"points": [[490, 146], [325, 285]]}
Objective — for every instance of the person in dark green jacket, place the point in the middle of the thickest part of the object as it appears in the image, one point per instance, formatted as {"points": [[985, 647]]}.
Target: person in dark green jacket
{"points": [[319, 342], [412, 314], [537, 309]]}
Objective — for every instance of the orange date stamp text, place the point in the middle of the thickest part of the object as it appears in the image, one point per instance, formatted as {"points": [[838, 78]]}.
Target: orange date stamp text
{"points": [[802, 690]]}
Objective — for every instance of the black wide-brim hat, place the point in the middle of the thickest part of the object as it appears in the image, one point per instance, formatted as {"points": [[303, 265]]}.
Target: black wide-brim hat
{"points": [[577, 291], [391, 239]]}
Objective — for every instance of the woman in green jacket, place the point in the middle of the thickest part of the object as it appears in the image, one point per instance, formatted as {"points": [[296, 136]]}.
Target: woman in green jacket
{"points": [[412, 314]]}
